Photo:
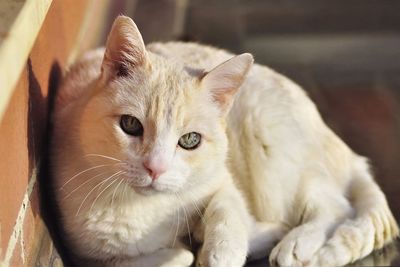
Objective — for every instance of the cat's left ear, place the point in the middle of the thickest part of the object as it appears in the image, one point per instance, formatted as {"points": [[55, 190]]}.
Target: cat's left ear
{"points": [[224, 80], [125, 49]]}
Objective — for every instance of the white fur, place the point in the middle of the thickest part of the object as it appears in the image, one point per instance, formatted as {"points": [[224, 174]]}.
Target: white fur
{"points": [[294, 171], [291, 173], [114, 213]]}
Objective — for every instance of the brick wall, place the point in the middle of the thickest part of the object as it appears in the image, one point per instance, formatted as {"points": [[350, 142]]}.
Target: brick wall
{"points": [[23, 126]]}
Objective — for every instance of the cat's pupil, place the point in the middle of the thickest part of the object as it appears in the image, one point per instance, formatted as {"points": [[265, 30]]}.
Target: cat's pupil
{"points": [[131, 125], [190, 140]]}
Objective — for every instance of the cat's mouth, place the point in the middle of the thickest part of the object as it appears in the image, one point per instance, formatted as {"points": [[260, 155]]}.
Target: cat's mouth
{"points": [[144, 190], [151, 189], [144, 185], [141, 185]]}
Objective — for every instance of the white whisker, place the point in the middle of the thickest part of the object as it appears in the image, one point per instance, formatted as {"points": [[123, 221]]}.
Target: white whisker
{"points": [[171, 229], [84, 171], [99, 184], [102, 191], [177, 229], [198, 211], [123, 194], [186, 217], [195, 203], [113, 195], [102, 156], [82, 184]]}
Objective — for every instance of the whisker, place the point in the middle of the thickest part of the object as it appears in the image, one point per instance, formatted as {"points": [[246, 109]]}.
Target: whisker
{"points": [[123, 194], [113, 195], [177, 229], [195, 203], [99, 184], [198, 211], [90, 192], [84, 171], [102, 156], [171, 229], [186, 217], [97, 197], [87, 181]]}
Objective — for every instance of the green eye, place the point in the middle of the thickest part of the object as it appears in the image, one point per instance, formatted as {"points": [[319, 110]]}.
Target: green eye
{"points": [[131, 125], [190, 140]]}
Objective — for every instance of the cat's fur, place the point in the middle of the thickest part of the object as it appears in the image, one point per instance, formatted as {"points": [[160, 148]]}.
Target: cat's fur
{"points": [[293, 178]]}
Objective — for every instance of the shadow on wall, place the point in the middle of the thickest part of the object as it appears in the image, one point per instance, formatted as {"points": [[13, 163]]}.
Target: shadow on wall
{"points": [[48, 208], [36, 114]]}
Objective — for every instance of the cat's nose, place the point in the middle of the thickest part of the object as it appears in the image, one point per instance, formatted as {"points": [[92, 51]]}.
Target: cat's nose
{"points": [[155, 168]]}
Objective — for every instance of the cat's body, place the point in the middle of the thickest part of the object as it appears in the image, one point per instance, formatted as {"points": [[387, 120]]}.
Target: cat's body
{"points": [[294, 171], [290, 171]]}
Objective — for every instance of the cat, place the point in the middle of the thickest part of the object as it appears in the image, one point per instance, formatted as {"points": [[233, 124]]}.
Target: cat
{"points": [[138, 158], [153, 143]]}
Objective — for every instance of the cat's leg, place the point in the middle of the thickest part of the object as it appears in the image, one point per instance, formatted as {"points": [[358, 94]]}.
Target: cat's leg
{"points": [[320, 216], [299, 246], [263, 237], [167, 257], [225, 230], [372, 227]]}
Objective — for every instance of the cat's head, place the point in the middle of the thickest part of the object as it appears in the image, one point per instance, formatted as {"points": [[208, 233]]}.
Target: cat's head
{"points": [[165, 122]]}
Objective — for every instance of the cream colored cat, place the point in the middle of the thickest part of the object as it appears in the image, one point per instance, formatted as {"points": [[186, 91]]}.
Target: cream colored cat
{"points": [[153, 143]]}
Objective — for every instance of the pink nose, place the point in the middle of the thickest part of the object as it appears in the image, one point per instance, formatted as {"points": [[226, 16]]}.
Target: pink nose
{"points": [[154, 168]]}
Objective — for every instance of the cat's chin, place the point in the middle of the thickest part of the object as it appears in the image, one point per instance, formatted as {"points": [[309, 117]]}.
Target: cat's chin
{"points": [[146, 191], [152, 190]]}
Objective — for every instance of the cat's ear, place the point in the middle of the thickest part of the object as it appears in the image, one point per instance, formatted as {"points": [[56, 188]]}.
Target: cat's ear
{"points": [[125, 48], [224, 80]]}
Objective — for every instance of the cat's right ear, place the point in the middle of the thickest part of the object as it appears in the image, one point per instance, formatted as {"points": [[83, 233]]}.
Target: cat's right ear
{"points": [[125, 49]]}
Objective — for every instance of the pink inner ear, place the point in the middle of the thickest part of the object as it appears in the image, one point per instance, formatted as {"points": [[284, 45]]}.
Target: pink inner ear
{"points": [[125, 47], [223, 96], [225, 79]]}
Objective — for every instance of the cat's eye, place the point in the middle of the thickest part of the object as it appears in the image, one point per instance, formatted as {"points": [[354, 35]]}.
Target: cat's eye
{"points": [[190, 140], [131, 125]]}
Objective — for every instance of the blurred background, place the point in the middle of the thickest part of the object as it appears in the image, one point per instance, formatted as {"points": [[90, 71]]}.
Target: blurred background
{"points": [[345, 54]]}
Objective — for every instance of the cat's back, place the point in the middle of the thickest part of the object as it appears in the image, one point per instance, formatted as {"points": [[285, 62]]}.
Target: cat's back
{"points": [[260, 78], [263, 93], [191, 54]]}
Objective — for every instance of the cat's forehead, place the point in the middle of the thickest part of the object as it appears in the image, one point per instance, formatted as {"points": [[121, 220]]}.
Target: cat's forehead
{"points": [[170, 84], [167, 93], [172, 95], [171, 80]]}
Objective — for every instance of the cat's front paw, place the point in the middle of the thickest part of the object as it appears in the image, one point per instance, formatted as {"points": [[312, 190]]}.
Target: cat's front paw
{"points": [[180, 258], [298, 248], [222, 254]]}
